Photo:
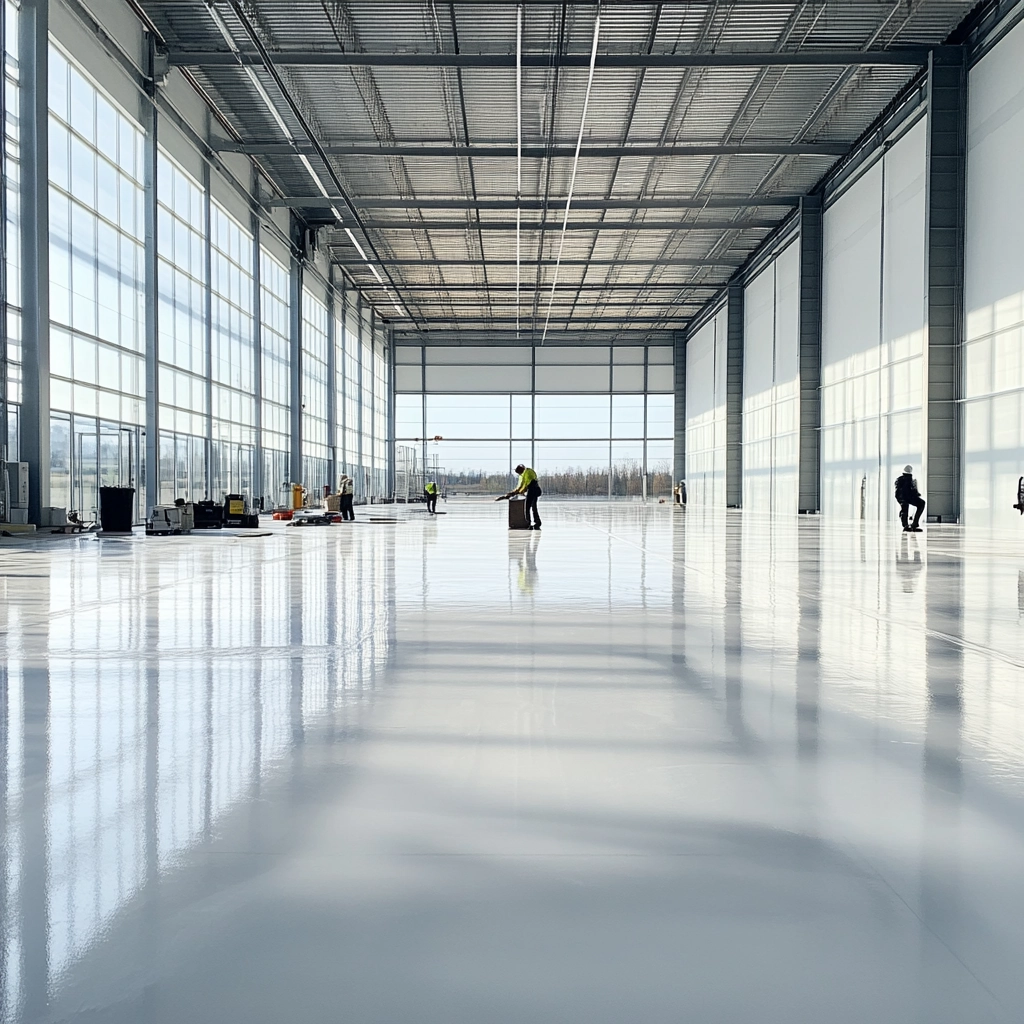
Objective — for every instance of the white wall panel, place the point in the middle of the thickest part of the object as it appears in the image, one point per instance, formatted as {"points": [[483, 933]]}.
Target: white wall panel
{"points": [[786, 463], [408, 378], [994, 286], [851, 317], [705, 413], [660, 378], [873, 312], [569, 356], [466, 379], [771, 386], [758, 389], [572, 378], [628, 378], [903, 425], [479, 354]]}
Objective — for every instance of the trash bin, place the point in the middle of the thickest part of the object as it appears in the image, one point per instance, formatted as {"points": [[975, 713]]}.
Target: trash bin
{"points": [[517, 515], [117, 505]]}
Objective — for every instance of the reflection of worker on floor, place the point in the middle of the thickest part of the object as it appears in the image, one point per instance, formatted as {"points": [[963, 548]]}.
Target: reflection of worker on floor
{"points": [[528, 565], [907, 494], [529, 486], [908, 563], [430, 494]]}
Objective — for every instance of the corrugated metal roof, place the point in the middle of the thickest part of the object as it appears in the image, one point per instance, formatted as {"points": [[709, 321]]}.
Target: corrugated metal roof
{"points": [[374, 105]]}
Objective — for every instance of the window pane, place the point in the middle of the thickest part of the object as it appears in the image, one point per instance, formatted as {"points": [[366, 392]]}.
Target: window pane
{"points": [[468, 416], [660, 415], [465, 460], [628, 416], [572, 416], [408, 416]]}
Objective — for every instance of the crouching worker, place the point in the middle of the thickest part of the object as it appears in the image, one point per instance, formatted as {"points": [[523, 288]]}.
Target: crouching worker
{"points": [[907, 494]]}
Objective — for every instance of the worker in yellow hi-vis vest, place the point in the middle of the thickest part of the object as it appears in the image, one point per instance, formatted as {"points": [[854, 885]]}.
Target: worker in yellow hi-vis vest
{"points": [[430, 495], [529, 486]]}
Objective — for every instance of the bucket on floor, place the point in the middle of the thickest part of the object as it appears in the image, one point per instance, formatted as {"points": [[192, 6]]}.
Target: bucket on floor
{"points": [[117, 508]]}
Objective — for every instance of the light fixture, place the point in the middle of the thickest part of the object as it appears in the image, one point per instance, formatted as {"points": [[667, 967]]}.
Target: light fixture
{"points": [[354, 241], [575, 165]]}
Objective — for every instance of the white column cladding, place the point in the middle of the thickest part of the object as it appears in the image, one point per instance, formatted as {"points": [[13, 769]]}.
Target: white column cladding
{"points": [[771, 386], [873, 333], [993, 409], [706, 358]]}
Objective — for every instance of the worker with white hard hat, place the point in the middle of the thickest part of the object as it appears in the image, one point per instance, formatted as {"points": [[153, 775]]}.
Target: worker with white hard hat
{"points": [[907, 494]]}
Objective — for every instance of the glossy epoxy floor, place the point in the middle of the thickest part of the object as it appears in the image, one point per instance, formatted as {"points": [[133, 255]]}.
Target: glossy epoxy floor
{"points": [[644, 766]]}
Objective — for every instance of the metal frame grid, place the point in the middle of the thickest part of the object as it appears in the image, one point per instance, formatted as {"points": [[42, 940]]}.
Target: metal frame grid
{"points": [[440, 144]]}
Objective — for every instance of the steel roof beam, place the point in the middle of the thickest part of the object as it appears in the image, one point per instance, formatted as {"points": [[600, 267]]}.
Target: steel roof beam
{"points": [[625, 321], [916, 56], [510, 286], [580, 225], [408, 150], [625, 261], [651, 203]]}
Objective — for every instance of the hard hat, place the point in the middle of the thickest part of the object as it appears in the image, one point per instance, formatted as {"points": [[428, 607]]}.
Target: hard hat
{"points": [[908, 469]]}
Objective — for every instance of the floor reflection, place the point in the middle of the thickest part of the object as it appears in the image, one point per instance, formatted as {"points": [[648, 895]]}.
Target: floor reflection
{"points": [[646, 763], [149, 688]]}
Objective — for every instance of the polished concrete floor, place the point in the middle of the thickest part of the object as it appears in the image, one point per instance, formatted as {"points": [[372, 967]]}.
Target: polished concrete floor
{"points": [[643, 766]]}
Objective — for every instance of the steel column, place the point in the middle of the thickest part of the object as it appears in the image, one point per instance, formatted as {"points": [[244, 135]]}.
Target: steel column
{"points": [[391, 414], [259, 484], [332, 395], [34, 434], [679, 434], [343, 418], [208, 314], [151, 258], [359, 388], [4, 406], [295, 340], [945, 198], [734, 397], [809, 329]]}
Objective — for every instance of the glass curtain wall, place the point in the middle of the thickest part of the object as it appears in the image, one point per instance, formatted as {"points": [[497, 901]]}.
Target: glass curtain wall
{"points": [[184, 400], [209, 375], [97, 300], [234, 370], [361, 372], [613, 440], [275, 360], [315, 451]]}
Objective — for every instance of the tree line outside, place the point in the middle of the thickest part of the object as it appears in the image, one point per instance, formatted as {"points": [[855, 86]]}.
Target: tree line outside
{"points": [[573, 482]]}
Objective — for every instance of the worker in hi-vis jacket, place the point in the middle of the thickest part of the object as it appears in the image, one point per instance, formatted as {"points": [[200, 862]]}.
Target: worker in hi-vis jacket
{"points": [[528, 486], [430, 495]]}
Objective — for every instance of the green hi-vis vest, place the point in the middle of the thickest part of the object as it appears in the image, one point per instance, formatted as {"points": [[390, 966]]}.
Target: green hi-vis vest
{"points": [[431, 488], [529, 476]]}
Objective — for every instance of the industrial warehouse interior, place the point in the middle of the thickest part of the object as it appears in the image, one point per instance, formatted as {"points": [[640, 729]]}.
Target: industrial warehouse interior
{"points": [[512, 513]]}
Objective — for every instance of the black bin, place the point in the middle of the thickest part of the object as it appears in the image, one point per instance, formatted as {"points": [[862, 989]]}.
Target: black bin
{"points": [[117, 509], [517, 515]]}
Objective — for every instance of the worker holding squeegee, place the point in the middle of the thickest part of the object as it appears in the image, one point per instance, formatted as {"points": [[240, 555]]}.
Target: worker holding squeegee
{"points": [[528, 486]]}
